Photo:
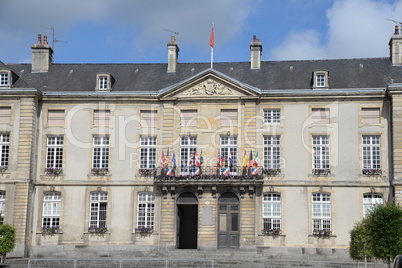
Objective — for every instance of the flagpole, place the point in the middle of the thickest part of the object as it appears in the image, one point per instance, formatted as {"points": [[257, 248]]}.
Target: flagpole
{"points": [[212, 57], [212, 44]]}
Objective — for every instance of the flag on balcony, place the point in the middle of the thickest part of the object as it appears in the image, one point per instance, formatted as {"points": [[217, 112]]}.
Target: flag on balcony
{"points": [[174, 160], [197, 171], [191, 160], [164, 161], [245, 160], [201, 158], [250, 160], [230, 158], [197, 160], [256, 160], [254, 171], [218, 163], [225, 171], [169, 172]]}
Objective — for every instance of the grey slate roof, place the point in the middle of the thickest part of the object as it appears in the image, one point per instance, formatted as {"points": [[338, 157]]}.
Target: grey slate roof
{"points": [[273, 75]]}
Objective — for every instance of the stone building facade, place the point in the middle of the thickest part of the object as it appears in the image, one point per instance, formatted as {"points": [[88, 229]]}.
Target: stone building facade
{"points": [[281, 156]]}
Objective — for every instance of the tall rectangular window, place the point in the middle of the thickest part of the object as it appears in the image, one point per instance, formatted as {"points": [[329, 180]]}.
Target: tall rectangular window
{"points": [[4, 149], [5, 115], [321, 212], [320, 80], [271, 212], [103, 82], [98, 210], [51, 210], [147, 152], [54, 152], [148, 118], [101, 117], [370, 115], [100, 153], [2, 205], [229, 117], [371, 152], [55, 118], [188, 118], [146, 210], [228, 152], [369, 201], [4, 79], [320, 152], [272, 116], [272, 152], [320, 116], [188, 146]]}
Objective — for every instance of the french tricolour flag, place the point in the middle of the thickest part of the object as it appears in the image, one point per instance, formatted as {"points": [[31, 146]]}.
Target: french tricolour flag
{"points": [[169, 172], [225, 171], [197, 171], [254, 171]]}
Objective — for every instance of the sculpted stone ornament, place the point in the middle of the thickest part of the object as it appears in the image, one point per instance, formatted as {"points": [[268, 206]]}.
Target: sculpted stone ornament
{"points": [[209, 87]]}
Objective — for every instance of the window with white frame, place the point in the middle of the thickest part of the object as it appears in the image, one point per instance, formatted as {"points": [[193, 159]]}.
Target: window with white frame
{"points": [[55, 117], [370, 200], [103, 82], [371, 152], [5, 114], [188, 146], [272, 152], [100, 153], [320, 79], [98, 210], [4, 149], [2, 205], [321, 206], [146, 210], [51, 210], [320, 116], [4, 78], [147, 152], [320, 152], [54, 152], [271, 211], [272, 116], [370, 115], [101, 117], [228, 152]]}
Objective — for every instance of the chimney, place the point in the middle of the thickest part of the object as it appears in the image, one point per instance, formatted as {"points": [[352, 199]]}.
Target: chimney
{"points": [[255, 50], [173, 55], [395, 47], [42, 55]]}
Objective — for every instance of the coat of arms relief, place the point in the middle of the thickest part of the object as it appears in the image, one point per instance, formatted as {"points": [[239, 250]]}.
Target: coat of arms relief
{"points": [[210, 88]]}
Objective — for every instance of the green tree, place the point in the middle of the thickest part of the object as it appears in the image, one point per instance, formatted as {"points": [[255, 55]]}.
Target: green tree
{"points": [[7, 240], [360, 242], [384, 228]]}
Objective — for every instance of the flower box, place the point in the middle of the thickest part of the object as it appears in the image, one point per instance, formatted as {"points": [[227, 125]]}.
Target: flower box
{"points": [[144, 230], [321, 171], [50, 230], [145, 172], [271, 232], [371, 171], [269, 171], [97, 230], [53, 171], [3, 169], [99, 171], [321, 233]]}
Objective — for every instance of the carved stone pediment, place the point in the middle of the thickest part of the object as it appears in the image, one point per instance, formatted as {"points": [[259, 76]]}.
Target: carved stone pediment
{"points": [[209, 87]]}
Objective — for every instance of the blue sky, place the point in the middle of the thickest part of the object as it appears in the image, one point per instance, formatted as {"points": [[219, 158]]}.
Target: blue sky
{"points": [[136, 31]]}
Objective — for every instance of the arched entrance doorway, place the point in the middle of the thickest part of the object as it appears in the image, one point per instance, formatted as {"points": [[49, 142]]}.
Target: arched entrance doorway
{"points": [[187, 221], [228, 221]]}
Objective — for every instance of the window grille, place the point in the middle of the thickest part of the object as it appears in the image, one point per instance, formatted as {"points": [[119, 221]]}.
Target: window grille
{"points": [[54, 152], [320, 152], [321, 215], [4, 149], [370, 200], [271, 212], [147, 152], [371, 152], [272, 116], [146, 210], [272, 152], [98, 210], [51, 210], [100, 154]]}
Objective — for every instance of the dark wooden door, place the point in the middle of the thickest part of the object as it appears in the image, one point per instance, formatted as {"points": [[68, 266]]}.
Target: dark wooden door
{"points": [[228, 221]]}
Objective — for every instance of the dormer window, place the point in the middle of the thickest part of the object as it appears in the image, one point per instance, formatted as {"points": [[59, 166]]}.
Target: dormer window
{"points": [[4, 78], [104, 82], [320, 80]]}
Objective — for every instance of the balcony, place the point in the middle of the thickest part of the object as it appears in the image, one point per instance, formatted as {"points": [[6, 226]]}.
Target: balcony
{"points": [[208, 175]]}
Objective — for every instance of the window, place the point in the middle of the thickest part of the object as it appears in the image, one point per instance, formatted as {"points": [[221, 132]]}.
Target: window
{"points": [[272, 152], [54, 152], [321, 212], [4, 149], [55, 117], [320, 79], [146, 210], [188, 118], [188, 147], [100, 157], [228, 152], [147, 152], [148, 118], [369, 201], [4, 78], [320, 116], [370, 115], [5, 115], [371, 152], [104, 82], [272, 116], [271, 211], [98, 210], [51, 210], [2, 205], [320, 152], [229, 117], [101, 117]]}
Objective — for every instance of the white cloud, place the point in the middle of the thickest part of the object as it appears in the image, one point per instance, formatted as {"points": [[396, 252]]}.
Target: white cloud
{"points": [[356, 28]]}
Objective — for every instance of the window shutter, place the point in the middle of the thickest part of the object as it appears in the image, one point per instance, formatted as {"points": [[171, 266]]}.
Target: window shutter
{"points": [[5, 114], [320, 116], [101, 117], [55, 118], [229, 117]]}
